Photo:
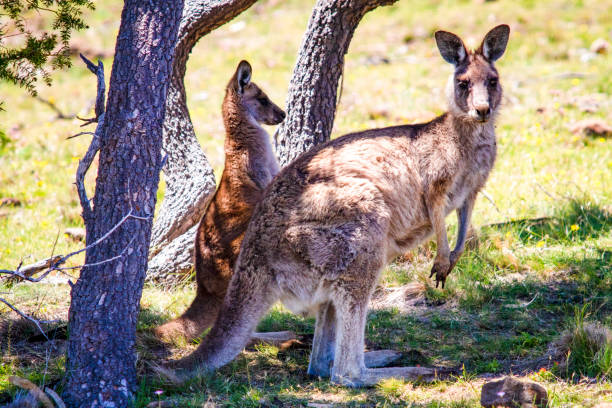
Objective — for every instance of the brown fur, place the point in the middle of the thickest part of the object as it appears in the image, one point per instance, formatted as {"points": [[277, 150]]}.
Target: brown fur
{"points": [[332, 219], [249, 166]]}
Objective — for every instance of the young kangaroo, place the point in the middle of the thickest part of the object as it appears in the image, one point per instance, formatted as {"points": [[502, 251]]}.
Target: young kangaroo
{"points": [[250, 165], [331, 220]]}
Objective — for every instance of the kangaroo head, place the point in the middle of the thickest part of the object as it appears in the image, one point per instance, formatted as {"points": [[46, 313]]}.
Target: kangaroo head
{"points": [[475, 92], [252, 99]]}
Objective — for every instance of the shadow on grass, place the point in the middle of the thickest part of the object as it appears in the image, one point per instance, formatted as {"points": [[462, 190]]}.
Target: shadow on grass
{"points": [[486, 321]]}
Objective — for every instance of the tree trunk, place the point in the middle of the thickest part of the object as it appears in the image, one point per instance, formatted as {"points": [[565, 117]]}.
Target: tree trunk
{"points": [[190, 181], [311, 102], [101, 362]]}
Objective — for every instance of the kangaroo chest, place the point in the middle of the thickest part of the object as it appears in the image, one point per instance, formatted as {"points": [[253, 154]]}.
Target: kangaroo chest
{"points": [[474, 175]]}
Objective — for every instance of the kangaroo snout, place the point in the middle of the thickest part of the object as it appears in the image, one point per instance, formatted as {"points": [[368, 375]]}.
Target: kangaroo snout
{"points": [[481, 113], [279, 116]]}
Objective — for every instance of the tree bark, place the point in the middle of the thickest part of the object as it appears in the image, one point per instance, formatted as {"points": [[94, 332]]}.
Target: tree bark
{"points": [[311, 102], [190, 181], [101, 362]]}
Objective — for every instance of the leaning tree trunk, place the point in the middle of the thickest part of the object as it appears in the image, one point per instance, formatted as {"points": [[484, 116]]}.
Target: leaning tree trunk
{"points": [[190, 181], [311, 102], [101, 360]]}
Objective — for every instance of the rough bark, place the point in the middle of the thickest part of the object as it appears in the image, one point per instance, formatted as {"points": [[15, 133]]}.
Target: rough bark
{"points": [[190, 181], [101, 362], [311, 102]]}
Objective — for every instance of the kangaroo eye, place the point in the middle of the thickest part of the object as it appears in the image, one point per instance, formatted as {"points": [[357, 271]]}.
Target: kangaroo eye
{"points": [[263, 101], [493, 82], [463, 85]]}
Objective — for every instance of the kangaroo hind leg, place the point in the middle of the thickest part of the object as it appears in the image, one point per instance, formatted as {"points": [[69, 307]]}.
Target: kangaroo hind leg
{"points": [[324, 342]]}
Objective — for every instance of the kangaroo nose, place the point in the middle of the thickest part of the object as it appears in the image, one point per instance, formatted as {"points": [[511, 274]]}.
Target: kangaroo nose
{"points": [[282, 115], [483, 112]]}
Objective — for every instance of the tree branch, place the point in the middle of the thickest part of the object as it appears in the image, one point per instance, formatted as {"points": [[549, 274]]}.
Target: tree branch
{"points": [[312, 97], [95, 145]]}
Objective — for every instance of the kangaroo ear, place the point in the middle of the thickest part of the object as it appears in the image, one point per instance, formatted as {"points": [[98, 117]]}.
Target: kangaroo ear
{"points": [[243, 75], [451, 47], [494, 43]]}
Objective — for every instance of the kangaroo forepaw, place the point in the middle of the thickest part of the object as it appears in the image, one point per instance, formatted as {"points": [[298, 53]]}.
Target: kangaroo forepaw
{"points": [[441, 271]]}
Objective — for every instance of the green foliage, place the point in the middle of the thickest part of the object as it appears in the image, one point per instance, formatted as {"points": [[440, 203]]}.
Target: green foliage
{"points": [[4, 141], [31, 56]]}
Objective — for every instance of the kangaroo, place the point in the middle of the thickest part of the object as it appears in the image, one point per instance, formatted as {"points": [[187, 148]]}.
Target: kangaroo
{"points": [[331, 220], [250, 165]]}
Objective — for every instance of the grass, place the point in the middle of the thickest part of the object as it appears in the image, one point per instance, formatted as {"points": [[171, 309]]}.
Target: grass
{"points": [[542, 247]]}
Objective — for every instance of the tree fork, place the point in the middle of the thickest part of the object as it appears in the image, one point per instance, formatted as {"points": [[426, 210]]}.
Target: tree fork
{"points": [[311, 101], [190, 181]]}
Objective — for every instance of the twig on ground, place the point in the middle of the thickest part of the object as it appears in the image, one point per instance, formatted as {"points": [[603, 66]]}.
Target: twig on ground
{"points": [[526, 304], [32, 388], [551, 195], [58, 401]]}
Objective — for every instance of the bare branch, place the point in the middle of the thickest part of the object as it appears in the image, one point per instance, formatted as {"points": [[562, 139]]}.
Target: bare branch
{"points": [[25, 316], [99, 72], [53, 106], [29, 270], [84, 167], [95, 141], [80, 134], [54, 263], [58, 401]]}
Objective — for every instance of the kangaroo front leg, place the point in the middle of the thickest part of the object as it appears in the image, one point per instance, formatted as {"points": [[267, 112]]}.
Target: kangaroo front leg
{"points": [[464, 214], [437, 210]]}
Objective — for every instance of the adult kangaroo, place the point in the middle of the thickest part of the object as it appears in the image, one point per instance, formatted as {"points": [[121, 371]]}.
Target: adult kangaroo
{"points": [[331, 220], [250, 165]]}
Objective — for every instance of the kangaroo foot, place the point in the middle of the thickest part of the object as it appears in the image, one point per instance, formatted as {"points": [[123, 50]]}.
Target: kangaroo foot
{"points": [[372, 376], [377, 358], [273, 338]]}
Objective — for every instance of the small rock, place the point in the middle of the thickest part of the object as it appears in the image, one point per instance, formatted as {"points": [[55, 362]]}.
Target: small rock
{"points": [[587, 56], [600, 46], [317, 405], [375, 60], [10, 202], [592, 127], [77, 234], [510, 392]]}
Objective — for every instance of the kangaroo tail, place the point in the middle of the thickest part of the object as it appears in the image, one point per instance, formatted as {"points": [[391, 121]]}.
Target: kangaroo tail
{"points": [[250, 294], [198, 317]]}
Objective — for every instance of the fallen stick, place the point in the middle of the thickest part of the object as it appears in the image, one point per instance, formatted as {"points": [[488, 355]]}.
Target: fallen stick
{"points": [[58, 401], [33, 388]]}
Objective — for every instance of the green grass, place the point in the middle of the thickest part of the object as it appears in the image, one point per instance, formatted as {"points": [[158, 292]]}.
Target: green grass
{"points": [[542, 247]]}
